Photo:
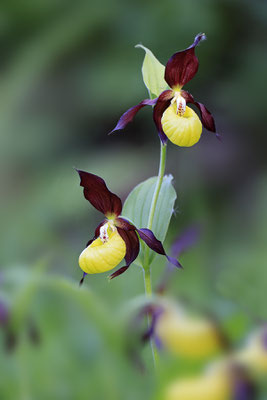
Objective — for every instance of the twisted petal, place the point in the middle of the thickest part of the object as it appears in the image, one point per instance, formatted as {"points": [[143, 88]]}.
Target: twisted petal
{"points": [[97, 193], [183, 66], [163, 102], [129, 115], [131, 241], [149, 238], [123, 223], [206, 117], [101, 257]]}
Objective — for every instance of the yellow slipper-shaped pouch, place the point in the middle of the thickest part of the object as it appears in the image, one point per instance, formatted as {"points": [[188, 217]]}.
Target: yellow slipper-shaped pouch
{"points": [[184, 131]]}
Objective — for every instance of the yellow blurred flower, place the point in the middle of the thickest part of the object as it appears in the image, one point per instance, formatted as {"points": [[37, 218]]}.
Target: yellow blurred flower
{"points": [[254, 354], [186, 336], [206, 387]]}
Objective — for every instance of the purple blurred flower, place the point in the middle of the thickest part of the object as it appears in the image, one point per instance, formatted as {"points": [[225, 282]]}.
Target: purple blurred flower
{"points": [[183, 243]]}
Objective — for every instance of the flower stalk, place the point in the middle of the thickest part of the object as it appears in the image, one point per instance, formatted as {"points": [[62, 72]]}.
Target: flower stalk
{"points": [[146, 266], [148, 291], [162, 164]]}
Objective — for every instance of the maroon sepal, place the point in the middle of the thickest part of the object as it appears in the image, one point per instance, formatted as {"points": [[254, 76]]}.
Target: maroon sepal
{"points": [[118, 272], [124, 224], [129, 115], [149, 238], [163, 102], [132, 250], [97, 193], [183, 66], [206, 117]]}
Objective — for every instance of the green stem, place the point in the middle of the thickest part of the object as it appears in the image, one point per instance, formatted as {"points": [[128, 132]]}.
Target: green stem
{"points": [[147, 281], [146, 266], [148, 289], [162, 164]]}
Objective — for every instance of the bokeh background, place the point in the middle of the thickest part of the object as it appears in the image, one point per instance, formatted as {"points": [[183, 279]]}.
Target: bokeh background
{"points": [[68, 70]]}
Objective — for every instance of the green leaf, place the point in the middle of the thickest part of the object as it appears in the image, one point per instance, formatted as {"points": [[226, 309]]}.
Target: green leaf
{"points": [[153, 73], [137, 207]]}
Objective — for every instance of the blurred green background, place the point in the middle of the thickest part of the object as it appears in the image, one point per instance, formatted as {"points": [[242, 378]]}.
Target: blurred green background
{"points": [[68, 70]]}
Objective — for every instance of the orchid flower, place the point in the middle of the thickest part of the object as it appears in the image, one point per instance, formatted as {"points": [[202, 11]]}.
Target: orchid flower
{"points": [[115, 237], [222, 383], [173, 118]]}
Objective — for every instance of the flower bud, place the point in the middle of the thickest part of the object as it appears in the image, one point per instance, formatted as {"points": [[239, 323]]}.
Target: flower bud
{"points": [[182, 128], [189, 337], [104, 253]]}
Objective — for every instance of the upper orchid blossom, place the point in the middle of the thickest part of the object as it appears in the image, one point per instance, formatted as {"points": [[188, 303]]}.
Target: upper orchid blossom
{"points": [[115, 237], [173, 118]]}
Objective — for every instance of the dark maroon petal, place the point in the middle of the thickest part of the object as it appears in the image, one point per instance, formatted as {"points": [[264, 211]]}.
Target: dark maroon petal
{"points": [[119, 272], [97, 193], [129, 115], [187, 96], [206, 117], [149, 238], [132, 244], [132, 250], [163, 102], [183, 66], [124, 224]]}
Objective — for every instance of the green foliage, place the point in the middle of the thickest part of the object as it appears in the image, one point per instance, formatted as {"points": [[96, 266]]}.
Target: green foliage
{"points": [[137, 208], [243, 277], [153, 73], [80, 352], [67, 71]]}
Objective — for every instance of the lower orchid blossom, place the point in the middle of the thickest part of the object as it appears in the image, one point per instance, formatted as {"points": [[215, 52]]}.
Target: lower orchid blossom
{"points": [[222, 382], [115, 238], [173, 118]]}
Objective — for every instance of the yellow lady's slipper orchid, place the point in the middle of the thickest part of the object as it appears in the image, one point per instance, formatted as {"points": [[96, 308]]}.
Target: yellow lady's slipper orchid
{"points": [[254, 354], [115, 237], [187, 336], [173, 119], [207, 387]]}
